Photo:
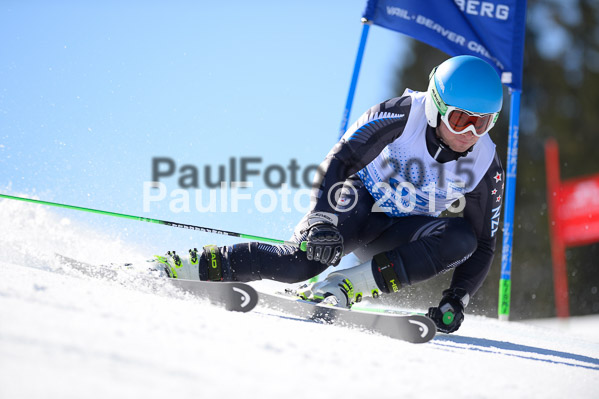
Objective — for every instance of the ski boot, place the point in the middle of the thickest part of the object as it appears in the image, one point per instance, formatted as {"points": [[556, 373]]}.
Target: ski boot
{"points": [[206, 266], [177, 267], [342, 288], [210, 267]]}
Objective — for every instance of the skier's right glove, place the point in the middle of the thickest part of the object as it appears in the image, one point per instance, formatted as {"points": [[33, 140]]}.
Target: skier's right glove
{"points": [[448, 316], [324, 243]]}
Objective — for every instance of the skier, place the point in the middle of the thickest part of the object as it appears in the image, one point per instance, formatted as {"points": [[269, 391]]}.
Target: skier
{"points": [[379, 194]]}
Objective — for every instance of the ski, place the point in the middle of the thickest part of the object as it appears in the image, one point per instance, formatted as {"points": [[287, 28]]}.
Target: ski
{"points": [[414, 328], [241, 297], [234, 296]]}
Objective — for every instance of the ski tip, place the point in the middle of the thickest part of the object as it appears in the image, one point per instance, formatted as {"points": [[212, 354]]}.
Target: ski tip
{"points": [[243, 298], [425, 329]]}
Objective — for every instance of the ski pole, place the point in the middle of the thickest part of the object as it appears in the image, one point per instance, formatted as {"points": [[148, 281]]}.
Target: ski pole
{"points": [[302, 246]]}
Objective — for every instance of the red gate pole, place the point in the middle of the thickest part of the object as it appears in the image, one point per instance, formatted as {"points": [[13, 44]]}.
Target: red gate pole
{"points": [[558, 248]]}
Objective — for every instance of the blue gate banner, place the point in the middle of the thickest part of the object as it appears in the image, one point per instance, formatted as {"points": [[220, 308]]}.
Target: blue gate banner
{"points": [[492, 29]]}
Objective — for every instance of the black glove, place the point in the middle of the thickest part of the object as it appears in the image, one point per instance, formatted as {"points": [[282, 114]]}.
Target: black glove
{"points": [[324, 243], [448, 316]]}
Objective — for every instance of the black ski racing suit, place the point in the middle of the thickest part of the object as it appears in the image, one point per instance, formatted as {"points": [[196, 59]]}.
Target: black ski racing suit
{"points": [[418, 245]]}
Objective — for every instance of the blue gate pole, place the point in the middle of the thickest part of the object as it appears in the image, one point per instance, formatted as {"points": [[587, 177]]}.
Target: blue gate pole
{"points": [[354, 78], [503, 310]]}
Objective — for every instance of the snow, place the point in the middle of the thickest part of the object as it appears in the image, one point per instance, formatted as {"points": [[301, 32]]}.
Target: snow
{"points": [[65, 335]]}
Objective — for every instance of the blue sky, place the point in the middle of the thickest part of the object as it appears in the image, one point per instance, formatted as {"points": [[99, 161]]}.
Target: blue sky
{"points": [[91, 92]]}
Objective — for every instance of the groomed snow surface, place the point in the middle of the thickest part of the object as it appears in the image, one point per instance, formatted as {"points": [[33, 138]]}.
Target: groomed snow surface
{"points": [[66, 335]]}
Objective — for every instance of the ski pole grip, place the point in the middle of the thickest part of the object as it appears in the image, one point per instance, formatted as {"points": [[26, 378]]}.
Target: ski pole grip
{"points": [[448, 317]]}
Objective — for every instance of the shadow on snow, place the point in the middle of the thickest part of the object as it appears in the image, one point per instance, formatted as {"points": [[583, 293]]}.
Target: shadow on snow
{"points": [[515, 350]]}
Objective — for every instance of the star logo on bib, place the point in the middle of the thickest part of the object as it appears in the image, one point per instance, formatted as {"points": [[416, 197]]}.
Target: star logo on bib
{"points": [[499, 199], [494, 191], [497, 177]]}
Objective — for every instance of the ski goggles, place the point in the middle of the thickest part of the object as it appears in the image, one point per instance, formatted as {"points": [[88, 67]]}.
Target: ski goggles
{"points": [[459, 121]]}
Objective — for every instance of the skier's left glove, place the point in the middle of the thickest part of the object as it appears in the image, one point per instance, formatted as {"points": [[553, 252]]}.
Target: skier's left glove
{"points": [[324, 242], [448, 316]]}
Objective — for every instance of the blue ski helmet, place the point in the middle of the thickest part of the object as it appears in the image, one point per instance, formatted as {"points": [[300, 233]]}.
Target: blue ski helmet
{"points": [[465, 82]]}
